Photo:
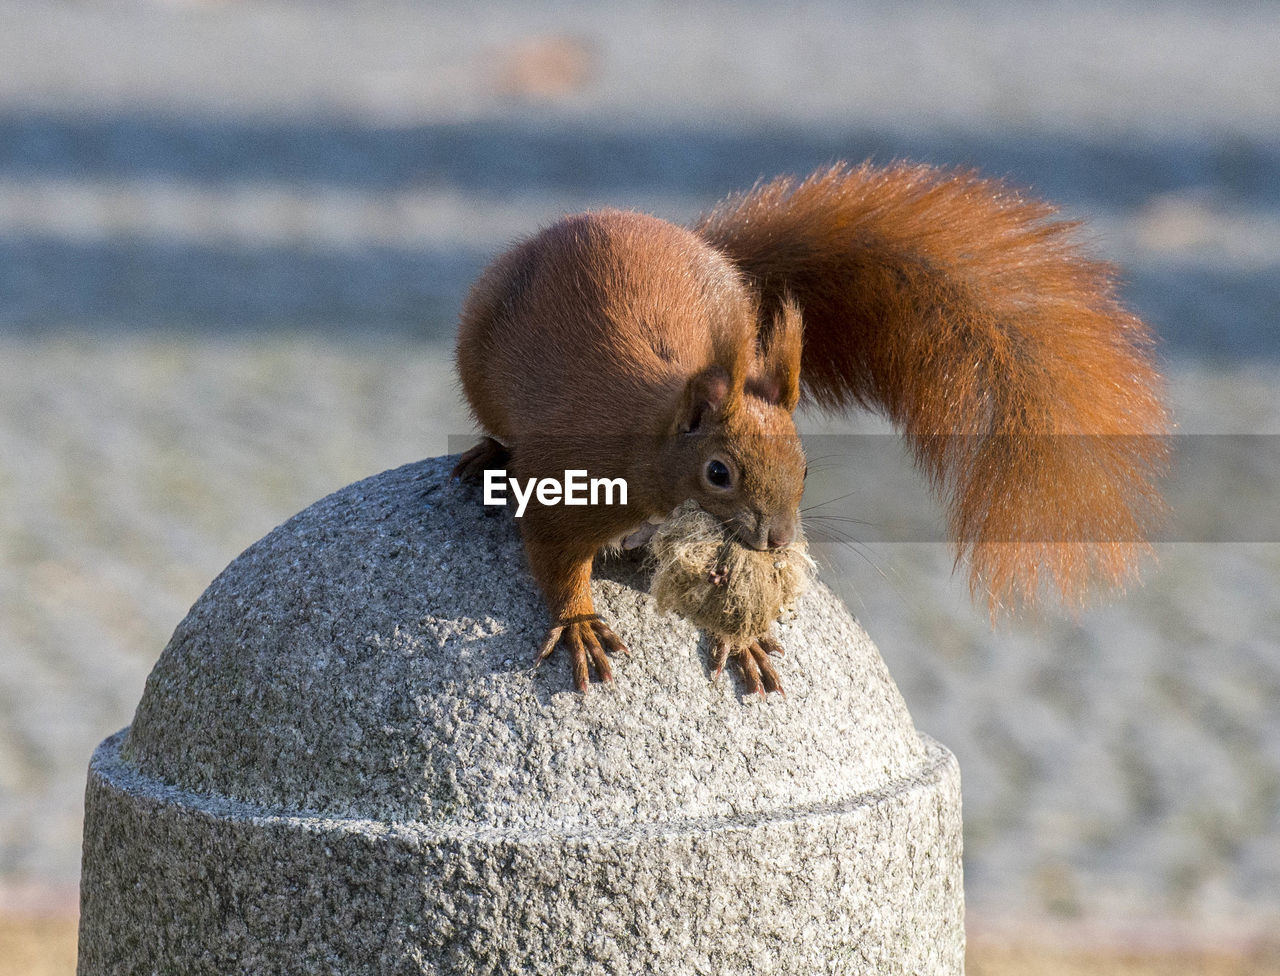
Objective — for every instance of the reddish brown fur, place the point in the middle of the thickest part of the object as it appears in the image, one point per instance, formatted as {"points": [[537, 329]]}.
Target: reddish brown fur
{"points": [[591, 345], [960, 309]]}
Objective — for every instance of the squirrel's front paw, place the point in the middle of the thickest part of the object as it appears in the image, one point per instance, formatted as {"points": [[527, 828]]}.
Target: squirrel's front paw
{"points": [[753, 658], [586, 639]]}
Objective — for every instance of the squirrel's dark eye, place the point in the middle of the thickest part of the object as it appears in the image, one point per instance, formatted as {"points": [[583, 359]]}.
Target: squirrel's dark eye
{"points": [[718, 474]]}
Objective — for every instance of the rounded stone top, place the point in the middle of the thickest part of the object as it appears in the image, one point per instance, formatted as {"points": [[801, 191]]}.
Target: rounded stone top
{"points": [[371, 658]]}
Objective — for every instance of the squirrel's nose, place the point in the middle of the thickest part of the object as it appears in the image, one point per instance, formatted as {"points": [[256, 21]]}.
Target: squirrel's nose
{"points": [[782, 533]]}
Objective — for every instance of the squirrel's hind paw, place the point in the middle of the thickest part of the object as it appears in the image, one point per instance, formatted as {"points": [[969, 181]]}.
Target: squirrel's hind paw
{"points": [[488, 455], [586, 639], [753, 660]]}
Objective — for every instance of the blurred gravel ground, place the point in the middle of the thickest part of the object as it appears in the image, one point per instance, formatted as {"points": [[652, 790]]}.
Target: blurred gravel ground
{"points": [[233, 240]]}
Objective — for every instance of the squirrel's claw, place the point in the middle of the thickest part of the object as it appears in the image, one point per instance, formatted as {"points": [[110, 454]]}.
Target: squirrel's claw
{"points": [[753, 660], [587, 640], [723, 650]]}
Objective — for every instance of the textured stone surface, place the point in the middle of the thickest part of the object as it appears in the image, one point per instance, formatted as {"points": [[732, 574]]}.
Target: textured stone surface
{"points": [[343, 763]]}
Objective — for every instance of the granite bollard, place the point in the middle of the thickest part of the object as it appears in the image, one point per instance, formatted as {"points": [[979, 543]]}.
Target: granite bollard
{"points": [[344, 763]]}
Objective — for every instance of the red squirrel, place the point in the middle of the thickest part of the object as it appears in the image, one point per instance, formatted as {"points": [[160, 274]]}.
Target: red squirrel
{"points": [[675, 358]]}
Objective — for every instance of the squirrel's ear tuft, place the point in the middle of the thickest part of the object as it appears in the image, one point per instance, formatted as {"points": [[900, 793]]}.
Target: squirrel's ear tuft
{"points": [[707, 395], [776, 376]]}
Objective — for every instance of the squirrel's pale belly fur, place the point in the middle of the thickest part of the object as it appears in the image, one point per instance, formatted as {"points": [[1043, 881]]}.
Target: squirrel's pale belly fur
{"points": [[675, 357]]}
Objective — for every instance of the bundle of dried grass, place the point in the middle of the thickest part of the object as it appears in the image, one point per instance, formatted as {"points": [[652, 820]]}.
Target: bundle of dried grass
{"points": [[717, 583]]}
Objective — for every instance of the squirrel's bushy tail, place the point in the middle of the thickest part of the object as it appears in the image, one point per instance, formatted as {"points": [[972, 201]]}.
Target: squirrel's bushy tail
{"points": [[969, 315]]}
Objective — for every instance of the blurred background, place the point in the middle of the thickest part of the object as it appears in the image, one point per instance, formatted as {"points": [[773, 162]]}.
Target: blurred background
{"points": [[234, 238]]}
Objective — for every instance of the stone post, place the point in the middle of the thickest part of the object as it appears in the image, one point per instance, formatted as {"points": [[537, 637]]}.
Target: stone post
{"points": [[343, 763]]}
